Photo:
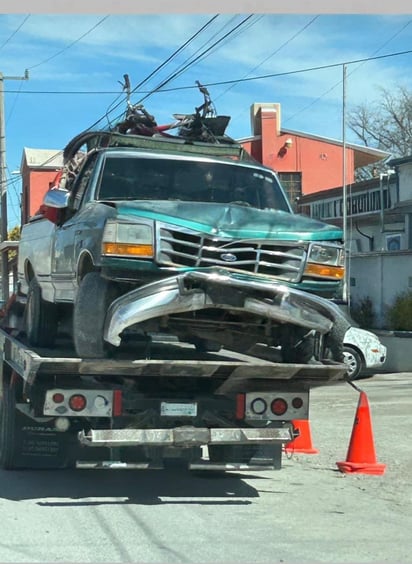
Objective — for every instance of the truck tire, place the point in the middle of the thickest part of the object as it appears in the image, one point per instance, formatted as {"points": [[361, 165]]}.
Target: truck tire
{"points": [[8, 444], [40, 318], [24, 443], [94, 296]]}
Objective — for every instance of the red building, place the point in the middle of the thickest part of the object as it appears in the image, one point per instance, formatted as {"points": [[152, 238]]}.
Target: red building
{"points": [[39, 168], [305, 163]]}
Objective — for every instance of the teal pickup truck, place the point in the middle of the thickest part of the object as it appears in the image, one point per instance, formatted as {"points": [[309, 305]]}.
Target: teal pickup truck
{"points": [[190, 239]]}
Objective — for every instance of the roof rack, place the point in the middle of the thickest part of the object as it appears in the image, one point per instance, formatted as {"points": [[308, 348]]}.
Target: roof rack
{"points": [[227, 148]]}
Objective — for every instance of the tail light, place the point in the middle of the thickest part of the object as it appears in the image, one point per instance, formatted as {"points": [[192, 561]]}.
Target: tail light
{"points": [[240, 406], [297, 402], [77, 402], [279, 406], [276, 405]]}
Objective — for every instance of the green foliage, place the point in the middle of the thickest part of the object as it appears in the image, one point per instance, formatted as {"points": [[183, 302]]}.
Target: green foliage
{"points": [[13, 235], [363, 313], [399, 315]]}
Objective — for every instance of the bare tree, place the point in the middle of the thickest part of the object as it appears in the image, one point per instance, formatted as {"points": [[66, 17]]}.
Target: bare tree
{"points": [[385, 124]]}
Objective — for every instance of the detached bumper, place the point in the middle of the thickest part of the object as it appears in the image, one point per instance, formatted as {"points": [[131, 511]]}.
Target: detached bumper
{"points": [[218, 288]]}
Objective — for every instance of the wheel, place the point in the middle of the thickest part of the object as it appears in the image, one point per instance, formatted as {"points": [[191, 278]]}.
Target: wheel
{"points": [[8, 444], [40, 318], [94, 296], [354, 362]]}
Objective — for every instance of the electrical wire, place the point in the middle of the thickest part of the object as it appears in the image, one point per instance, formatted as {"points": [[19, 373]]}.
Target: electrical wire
{"points": [[186, 66], [275, 52], [14, 32], [170, 58], [71, 44], [349, 73], [223, 82]]}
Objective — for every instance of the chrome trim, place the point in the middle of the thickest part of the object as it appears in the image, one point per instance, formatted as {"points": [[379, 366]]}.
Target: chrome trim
{"points": [[199, 290], [187, 436], [186, 247]]}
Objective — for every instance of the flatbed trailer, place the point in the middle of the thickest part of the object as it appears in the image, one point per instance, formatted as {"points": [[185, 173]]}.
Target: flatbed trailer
{"points": [[218, 411]]}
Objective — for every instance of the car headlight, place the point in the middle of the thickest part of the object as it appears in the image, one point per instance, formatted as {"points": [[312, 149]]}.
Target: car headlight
{"points": [[128, 239], [325, 261]]}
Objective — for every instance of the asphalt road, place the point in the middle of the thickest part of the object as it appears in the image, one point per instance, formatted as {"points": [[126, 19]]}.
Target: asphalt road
{"points": [[306, 512]]}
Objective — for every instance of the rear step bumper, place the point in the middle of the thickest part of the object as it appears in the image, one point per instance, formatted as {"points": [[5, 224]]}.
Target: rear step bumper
{"points": [[202, 465], [185, 437]]}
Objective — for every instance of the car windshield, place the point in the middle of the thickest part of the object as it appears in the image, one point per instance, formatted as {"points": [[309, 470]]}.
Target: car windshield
{"points": [[144, 178]]}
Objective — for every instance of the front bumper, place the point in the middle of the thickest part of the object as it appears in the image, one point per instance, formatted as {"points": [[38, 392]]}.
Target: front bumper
{"points": [[222, 289]]}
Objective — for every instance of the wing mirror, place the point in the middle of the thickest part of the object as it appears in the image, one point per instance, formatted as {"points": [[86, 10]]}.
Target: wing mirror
{"points": [[56, 198]]}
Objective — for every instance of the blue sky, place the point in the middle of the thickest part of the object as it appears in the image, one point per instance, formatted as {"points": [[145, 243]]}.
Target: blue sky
{"points": [[76, 61]]}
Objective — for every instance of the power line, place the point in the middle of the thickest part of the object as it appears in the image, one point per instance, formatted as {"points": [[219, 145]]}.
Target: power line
{"points": [[14, 32], [271, 55], [190, 63], [180, 70], [70, 44], [340, 81], [113, 106], [219, 83]]}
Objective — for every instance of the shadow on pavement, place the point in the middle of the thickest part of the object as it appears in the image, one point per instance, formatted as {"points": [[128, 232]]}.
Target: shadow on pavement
{"points": [[96, 487]]}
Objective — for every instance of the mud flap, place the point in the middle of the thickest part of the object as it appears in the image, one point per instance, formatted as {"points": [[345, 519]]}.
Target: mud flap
{"points": [[38, 445]]}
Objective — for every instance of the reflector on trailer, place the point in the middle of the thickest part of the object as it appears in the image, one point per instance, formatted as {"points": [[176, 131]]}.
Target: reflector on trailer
{"points": [[240, 406], [258, 406]]}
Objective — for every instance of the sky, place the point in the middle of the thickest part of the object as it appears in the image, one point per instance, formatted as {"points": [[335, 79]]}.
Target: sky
{"points": [[76, 62]]}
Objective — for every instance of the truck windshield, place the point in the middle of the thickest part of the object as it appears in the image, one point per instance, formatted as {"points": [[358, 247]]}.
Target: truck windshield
{"points": [[144, 178]]}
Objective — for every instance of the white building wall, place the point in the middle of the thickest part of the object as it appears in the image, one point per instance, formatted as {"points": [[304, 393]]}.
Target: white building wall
{"points": [[405, 182]]}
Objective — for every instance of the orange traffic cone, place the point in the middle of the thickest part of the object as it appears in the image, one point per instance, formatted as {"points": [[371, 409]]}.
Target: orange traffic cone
{"points": [[361, 457], [303, 442]]}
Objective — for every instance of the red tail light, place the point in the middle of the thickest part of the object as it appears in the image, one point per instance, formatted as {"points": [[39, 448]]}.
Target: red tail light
{"points": [[279, 406], [58, 397], [77, 402], [117, 403], [240, 406], [297, 402]]}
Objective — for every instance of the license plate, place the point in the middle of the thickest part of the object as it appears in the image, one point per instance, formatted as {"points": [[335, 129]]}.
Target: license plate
{"points": [[172, 409]]}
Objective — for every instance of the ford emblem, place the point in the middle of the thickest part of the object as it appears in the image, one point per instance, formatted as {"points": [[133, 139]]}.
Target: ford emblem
{"points": [[228, 257]]}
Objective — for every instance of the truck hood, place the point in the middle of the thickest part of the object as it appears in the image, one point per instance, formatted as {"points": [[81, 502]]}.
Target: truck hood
{"points": [[231, 220]]}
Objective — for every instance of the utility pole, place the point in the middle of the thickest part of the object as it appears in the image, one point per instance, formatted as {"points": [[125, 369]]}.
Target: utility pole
{"points": [[3, 188], [346, 247]]}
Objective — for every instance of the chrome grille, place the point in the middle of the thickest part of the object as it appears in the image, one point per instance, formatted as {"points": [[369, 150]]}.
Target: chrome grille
{"points": [[185, 248]]}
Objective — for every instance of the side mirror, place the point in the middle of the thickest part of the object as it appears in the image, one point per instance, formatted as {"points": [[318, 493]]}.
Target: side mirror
{"points": [[56, 198]]}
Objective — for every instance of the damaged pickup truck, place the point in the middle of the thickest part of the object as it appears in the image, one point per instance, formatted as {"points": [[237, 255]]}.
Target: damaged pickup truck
{"points": [[198, 241]]}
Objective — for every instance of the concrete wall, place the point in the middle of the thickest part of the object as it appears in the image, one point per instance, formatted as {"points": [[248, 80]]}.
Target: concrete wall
{"points": [[399, 350], [381, 277]]}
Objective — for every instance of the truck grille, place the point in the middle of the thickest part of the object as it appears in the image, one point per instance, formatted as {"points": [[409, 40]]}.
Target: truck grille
{"points": [[185, 248]]}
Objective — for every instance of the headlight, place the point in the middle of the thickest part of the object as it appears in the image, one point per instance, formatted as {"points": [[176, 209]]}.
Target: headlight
{"points": [[128, 239], [325, 261]]}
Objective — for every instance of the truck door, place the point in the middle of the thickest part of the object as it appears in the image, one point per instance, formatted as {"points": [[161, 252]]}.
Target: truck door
{"points": [[69, 236]]}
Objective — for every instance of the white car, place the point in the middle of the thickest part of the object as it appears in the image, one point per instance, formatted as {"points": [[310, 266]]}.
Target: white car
{"points": [[362, 350]]}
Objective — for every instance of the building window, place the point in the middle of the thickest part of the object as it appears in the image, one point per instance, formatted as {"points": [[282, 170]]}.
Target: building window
{"points": [[292, 185]]}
